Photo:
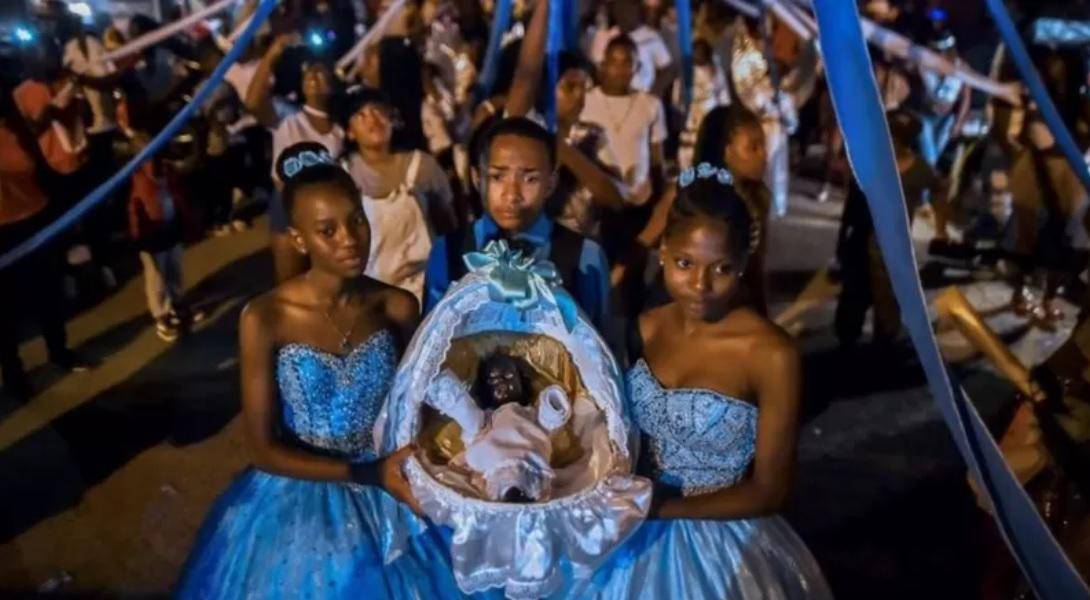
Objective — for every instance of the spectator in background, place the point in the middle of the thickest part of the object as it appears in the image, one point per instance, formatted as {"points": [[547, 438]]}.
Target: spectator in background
{"points": [[653, 63], [586, 188], [32, 285], [312, 122], [97, 79], [159, 71], [159, 217], [866, 282], [635, 129], [405, 195], [709, 91]]}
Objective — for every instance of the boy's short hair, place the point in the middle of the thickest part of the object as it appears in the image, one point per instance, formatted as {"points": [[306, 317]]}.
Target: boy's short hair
{"points": [[516, 126], [622, 40], [568, 60]]}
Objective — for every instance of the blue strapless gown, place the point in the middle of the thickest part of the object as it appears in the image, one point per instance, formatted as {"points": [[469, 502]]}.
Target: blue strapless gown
{"points": [[701, 441], [277, 537]]}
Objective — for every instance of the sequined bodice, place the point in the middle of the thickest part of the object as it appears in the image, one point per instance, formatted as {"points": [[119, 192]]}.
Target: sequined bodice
{"points": [[330, 402], [697, 440]]}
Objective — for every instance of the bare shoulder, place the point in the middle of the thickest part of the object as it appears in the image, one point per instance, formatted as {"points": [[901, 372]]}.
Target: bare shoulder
{"points": [[262, 310], [769, 343], [651, 322], [266, 311]]}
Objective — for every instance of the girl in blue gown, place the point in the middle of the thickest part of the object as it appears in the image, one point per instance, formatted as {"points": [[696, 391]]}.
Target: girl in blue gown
{"points": [[715, 392], [318, 514]]}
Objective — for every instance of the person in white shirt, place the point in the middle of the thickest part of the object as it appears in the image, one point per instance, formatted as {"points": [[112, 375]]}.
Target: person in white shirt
{"points": [[653, 68], [586, 187], [97, 79], [311, 123], [405, 194], [634, 121]]}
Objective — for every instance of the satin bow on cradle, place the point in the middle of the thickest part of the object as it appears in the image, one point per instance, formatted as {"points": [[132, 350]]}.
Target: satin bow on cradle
{"points": [[521, 280]]}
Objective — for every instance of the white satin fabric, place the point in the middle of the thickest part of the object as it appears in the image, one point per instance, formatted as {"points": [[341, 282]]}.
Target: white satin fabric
{"points": [[527, 550], [512, 453]]}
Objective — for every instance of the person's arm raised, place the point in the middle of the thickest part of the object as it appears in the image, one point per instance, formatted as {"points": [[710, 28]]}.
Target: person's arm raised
{"points": [[766, 491], [259, 95], [604, 189], [521, 98]]}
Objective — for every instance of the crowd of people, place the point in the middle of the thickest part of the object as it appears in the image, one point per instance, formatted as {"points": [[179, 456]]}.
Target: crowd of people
{"points": [[379, 177]]}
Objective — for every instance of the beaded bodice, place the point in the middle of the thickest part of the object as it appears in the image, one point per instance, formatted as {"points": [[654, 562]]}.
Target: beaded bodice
{"points": [[329, 402], [697, 440]]}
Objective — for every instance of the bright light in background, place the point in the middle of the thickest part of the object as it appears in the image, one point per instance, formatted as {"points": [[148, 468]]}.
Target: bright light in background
{"points": [[315, 39], [23, 34], [80, 9]]}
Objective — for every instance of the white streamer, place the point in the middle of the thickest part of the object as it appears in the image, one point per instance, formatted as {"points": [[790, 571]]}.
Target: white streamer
{"points": [[368, 38], [903, 48], [158, 35], [745, 8], [899, 46], [788, 18]]}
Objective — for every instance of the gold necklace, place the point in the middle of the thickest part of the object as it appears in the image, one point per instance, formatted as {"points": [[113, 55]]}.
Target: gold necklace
{"points": [[346, 337]]}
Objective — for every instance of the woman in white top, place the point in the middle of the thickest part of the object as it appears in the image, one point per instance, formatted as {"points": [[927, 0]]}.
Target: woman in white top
{"points": [[311, 123], [405, 194]]}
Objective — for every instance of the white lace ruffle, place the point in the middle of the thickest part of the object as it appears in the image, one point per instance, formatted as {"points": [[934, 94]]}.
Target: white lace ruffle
{"points": [[466, 310], [526, 548]]}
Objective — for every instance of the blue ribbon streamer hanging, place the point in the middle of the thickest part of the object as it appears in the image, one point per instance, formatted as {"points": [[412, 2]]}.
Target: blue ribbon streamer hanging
{"points": [[859, 111], [555, 42], [570, 20], [1037, 88], [501, 20], [685, 42], [81, 208]]}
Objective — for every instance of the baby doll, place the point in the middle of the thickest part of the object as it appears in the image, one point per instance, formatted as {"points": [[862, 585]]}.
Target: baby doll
{"points": [[507, 440]]}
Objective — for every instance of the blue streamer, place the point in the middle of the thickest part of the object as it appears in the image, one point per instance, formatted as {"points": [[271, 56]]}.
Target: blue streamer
{"points": [[570, 20], [1037, 88], [554, 43], [866, 135], [73, 216], [685, 42], [501, 20]]}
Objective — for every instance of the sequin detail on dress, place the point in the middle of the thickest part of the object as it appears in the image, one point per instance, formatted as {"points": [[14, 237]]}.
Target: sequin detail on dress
{"points": [[699, 440], [702, 441], [330, 402], [279, 538]]}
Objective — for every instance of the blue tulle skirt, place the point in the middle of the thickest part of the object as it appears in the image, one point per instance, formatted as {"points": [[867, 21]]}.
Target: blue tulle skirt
{"points": [[276, 537], [750, 559]]}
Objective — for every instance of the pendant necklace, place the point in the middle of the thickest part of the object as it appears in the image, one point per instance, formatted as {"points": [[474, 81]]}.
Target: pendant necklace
{"points": [[346, 337]]}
